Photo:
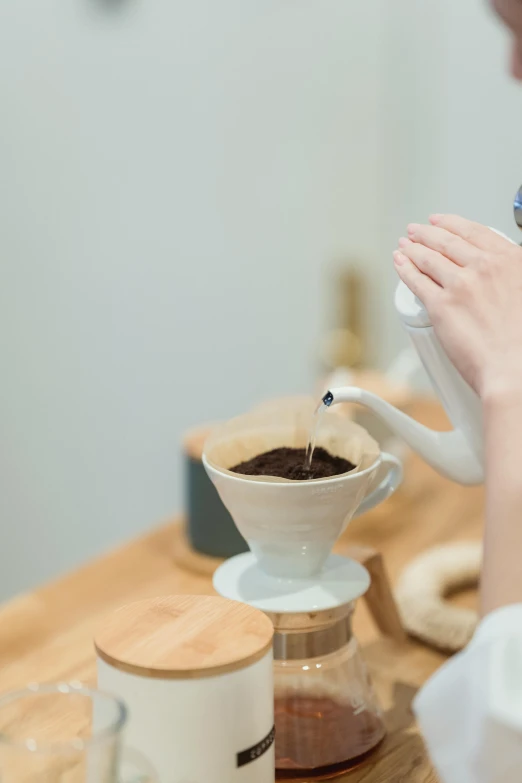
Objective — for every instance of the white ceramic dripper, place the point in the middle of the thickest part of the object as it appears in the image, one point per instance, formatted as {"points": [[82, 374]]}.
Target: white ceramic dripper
{"points": [[292, 526]]}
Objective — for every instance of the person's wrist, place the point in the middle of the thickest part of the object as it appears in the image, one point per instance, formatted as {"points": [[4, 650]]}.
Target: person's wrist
{"points": [[501, 389]]}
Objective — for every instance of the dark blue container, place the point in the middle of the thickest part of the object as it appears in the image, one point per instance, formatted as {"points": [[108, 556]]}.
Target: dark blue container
{"points": [[210, 528]]}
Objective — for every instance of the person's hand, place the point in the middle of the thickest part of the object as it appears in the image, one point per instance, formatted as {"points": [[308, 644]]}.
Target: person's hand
{"points": [[511, 12], [470, 280]]}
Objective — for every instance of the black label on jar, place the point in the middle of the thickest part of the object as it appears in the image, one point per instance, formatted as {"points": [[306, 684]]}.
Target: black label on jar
{"points": [[247, 756]]}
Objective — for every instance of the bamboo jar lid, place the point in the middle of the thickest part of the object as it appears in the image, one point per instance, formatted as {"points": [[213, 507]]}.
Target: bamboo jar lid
{"points": [[184, 637]]}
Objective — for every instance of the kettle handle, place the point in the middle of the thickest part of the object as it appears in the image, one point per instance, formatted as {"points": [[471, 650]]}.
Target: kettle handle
{"points": [[388, 478]]}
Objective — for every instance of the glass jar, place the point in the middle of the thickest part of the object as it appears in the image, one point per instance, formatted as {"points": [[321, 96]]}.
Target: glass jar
{"points": [[66, 733], [327, 716]]}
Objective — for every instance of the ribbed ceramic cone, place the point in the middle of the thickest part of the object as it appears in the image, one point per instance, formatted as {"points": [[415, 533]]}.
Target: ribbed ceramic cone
{"points": [[291, 526]]}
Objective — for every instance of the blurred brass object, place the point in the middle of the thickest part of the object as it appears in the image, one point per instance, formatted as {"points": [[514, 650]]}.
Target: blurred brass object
{"points": [[350, 287], [343, 346]]}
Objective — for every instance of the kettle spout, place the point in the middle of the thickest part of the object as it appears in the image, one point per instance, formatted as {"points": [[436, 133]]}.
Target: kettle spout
{"points": [[447, 452]]}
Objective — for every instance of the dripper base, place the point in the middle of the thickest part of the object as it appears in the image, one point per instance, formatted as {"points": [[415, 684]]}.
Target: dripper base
{"points": [[340, 581]]}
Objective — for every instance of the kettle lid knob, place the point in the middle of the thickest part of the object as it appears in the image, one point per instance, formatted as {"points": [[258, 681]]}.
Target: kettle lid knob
{"points": [[517, 206], [410, 309]]}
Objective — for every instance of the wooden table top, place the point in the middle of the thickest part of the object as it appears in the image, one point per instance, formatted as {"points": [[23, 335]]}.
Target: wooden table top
{"points": [[46, 635]]}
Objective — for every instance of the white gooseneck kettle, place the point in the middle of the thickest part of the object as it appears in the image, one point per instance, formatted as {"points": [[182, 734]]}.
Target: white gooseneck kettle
{"points": [[458, 454]]}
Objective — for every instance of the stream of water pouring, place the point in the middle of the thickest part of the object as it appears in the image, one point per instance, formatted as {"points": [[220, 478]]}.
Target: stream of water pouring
{"points": [[313, 436]]}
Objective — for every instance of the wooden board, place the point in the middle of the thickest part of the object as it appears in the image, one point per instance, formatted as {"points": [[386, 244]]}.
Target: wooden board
{"points": [[47, 634]]}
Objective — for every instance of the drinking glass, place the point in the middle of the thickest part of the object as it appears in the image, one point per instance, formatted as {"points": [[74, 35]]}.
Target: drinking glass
{"points": [[66, 733]]}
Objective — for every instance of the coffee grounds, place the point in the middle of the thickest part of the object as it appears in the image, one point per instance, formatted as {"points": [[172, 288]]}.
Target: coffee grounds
{"points": [[289, 463]]}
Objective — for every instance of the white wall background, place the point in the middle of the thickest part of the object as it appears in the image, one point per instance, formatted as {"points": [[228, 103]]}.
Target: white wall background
{"points": [[176, 175], [458, 112]]}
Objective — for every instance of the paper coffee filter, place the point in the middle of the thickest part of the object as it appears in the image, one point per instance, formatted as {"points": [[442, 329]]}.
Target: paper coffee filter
{"points": [[302, 402], [288, 424]]}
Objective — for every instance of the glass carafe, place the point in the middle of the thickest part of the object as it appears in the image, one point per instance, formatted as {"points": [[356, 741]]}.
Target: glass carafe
{"points": [[326, 713]]}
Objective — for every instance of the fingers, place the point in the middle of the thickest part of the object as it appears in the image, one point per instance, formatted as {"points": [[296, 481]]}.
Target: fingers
{"points": [[509, 12], [442, 241], [432, 264], [473, 233], [422, 286]]}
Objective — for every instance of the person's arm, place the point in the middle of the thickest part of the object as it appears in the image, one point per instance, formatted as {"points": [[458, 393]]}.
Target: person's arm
{"points": [[470, 280], [501, 581]]}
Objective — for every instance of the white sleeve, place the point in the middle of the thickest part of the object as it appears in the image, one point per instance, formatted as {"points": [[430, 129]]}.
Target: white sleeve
{"points": [[470, 711]]}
